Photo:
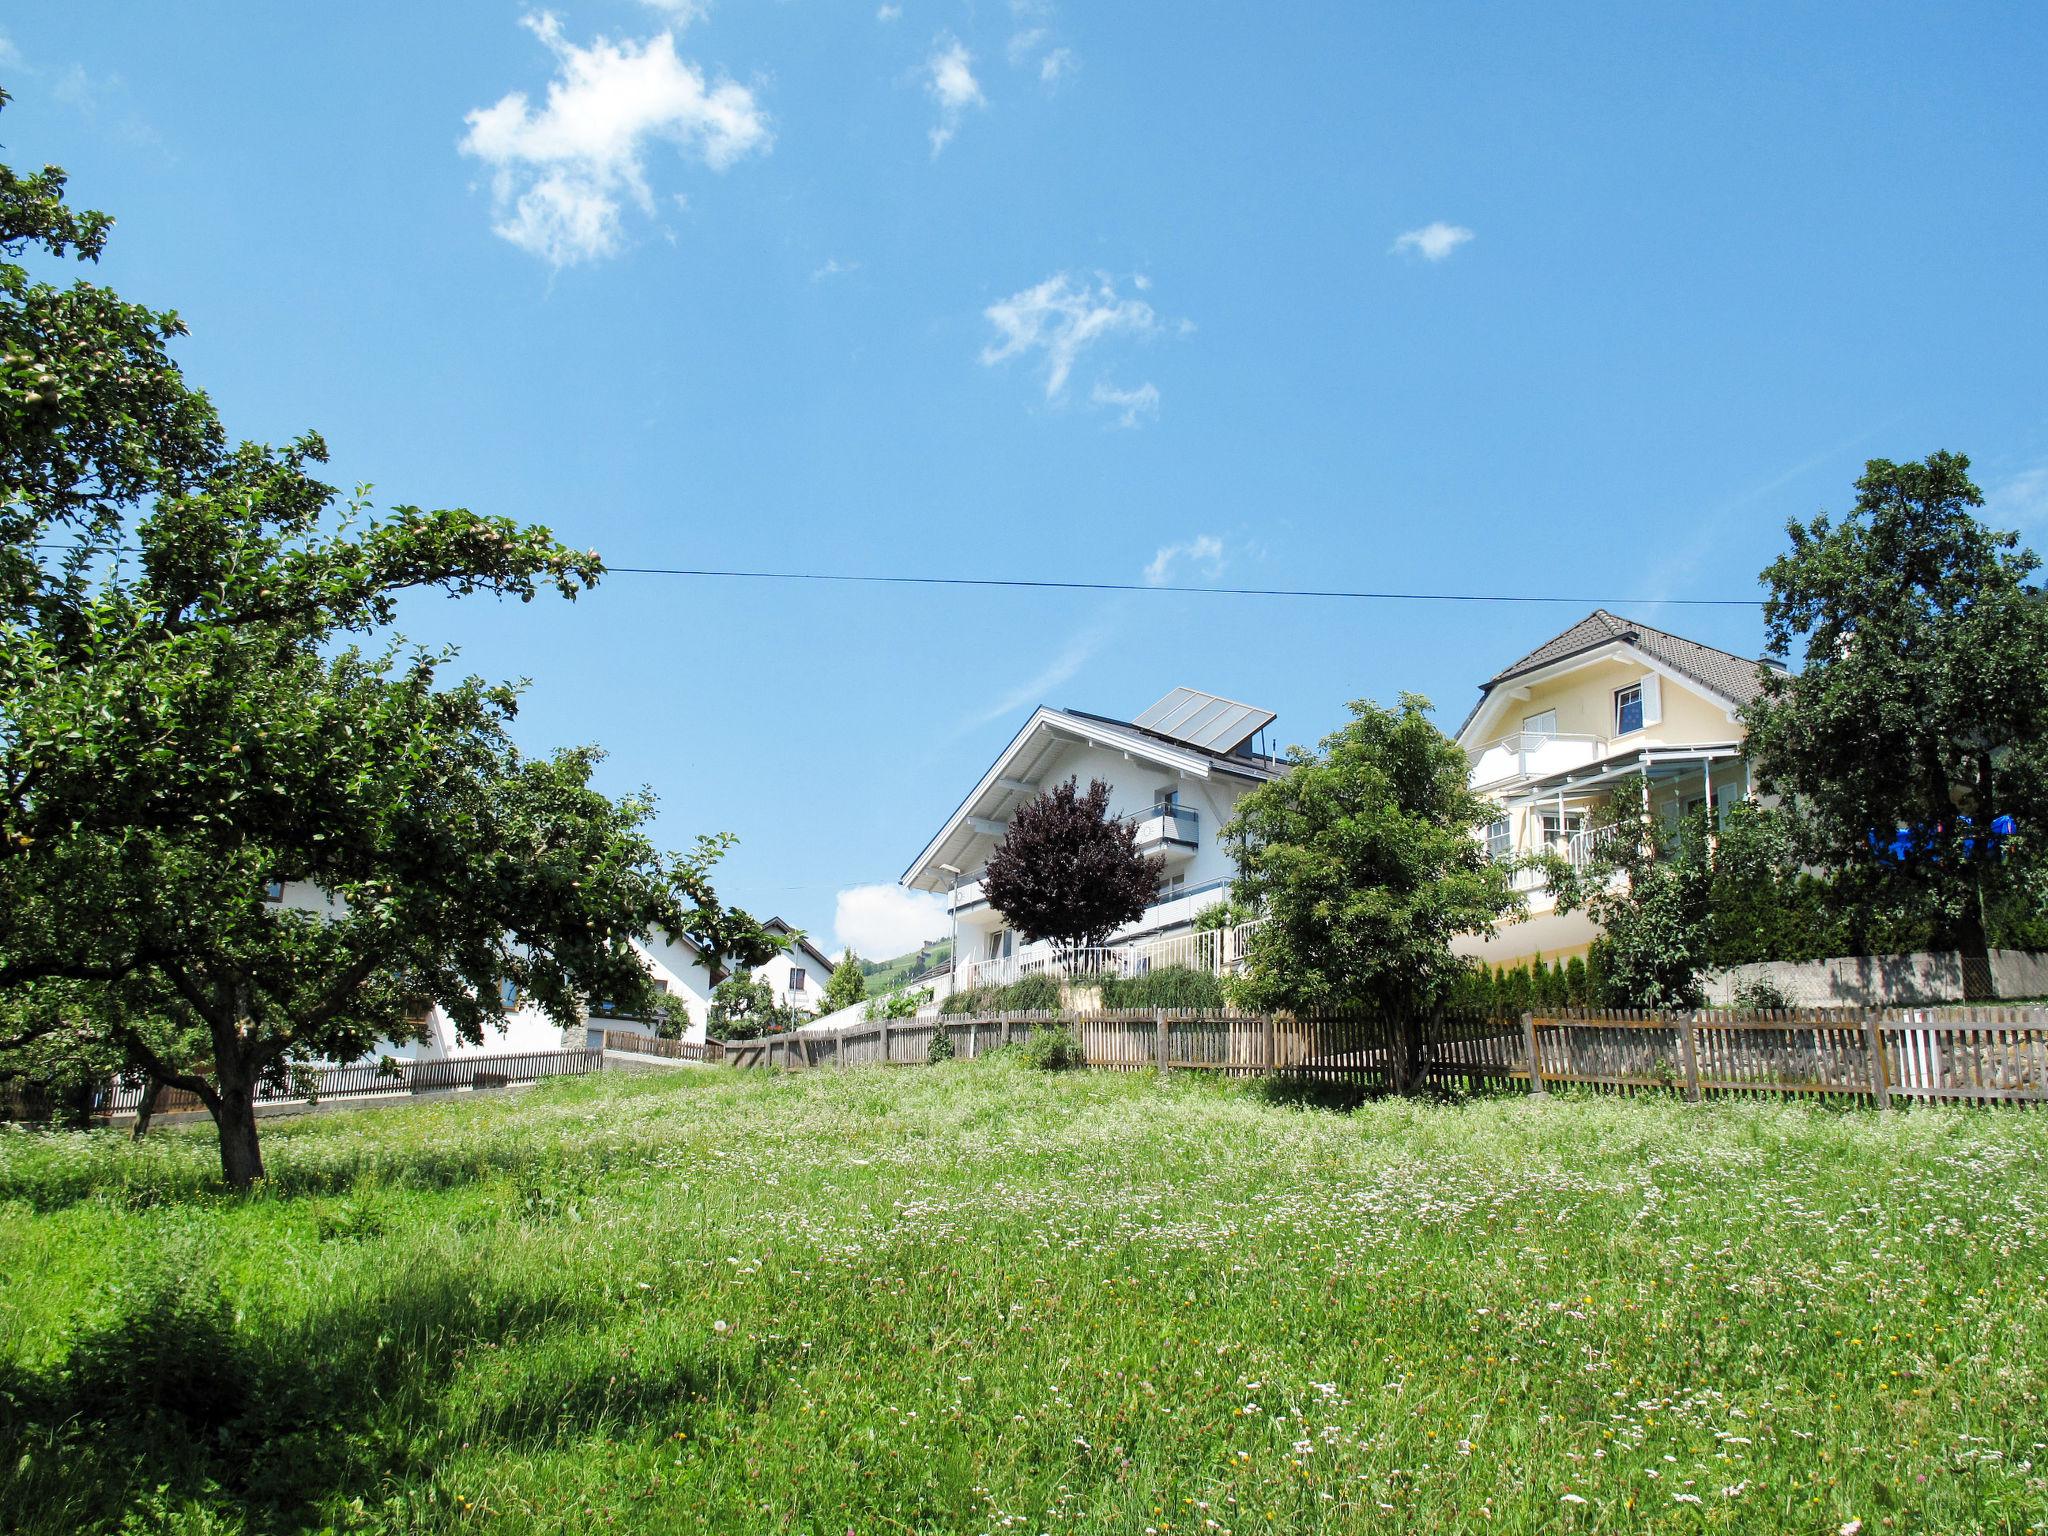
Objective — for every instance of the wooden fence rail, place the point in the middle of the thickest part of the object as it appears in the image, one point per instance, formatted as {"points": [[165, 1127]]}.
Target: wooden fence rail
{"points": [[637, 1044], [1877, 1055]]}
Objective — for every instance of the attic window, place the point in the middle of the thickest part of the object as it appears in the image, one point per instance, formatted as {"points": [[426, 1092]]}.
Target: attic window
{"points": [[1628, 709]]}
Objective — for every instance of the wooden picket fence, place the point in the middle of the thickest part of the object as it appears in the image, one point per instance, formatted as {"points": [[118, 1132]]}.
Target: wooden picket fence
{"points": [[633, 1043], [1876, 1055]]}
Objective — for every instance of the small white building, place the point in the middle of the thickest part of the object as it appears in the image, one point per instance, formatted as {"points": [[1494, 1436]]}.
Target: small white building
{"points": [[797, 975], [1177, 771]]}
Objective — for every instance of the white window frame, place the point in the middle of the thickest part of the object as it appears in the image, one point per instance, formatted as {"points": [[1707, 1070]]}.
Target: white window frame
{"points": [[1621, 696], [1500, 837], [1540, 727]]}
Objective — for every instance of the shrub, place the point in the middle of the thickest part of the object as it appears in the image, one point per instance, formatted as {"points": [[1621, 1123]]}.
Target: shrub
{"points": [[1760, 994], [940, 1047], [1053, 1048], [1039, 994], [1171, 986]]}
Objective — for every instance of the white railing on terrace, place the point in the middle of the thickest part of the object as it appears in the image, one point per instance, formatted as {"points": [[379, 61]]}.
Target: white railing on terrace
{"points": [[1577, 850], [1533, 754], [1218, 950]]}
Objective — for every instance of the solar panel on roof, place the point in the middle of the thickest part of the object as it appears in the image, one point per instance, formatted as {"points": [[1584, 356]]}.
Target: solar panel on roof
{"points": [[1203, 720]]}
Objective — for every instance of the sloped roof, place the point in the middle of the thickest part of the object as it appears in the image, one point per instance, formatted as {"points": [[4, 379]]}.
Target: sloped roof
{"points": [[803, 941], [1734, 678]]}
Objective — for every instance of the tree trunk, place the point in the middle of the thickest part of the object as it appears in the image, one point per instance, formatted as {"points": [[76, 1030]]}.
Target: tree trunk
{"points": [[241, 1159], [1974, 945], [146, 1107]]}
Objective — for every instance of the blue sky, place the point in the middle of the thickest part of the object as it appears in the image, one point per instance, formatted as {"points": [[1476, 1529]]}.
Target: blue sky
{"points": [[1563, 299]]}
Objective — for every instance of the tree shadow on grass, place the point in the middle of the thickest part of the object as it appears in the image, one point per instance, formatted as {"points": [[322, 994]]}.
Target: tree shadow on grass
{"points": [[177, 1398]]}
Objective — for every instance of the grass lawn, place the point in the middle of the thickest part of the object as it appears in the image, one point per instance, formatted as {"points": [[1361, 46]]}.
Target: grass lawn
{"points": [[980, 1299]]}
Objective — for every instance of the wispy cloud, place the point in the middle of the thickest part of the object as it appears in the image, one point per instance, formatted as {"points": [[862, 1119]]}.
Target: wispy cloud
{"points": [[1060, 319], [949, 78], [1035, 42], [1204, 552], [832, 266], [1071, 658], [2020, 501], [9, 54], [680, 13], [562, 174], [1133, 405], [1432, 242], [889, 13]]}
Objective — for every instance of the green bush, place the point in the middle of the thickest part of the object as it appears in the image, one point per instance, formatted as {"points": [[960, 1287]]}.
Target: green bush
{"points": [[1034, 994], [1053, 1048], [1171, 986], [940, 1047]]}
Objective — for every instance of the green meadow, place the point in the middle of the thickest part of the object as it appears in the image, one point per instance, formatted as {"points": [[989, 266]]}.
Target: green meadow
{"points": [[979, 1298]]}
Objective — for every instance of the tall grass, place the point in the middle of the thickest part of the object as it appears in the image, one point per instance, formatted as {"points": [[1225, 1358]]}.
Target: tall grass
{"points": [[978, 1298]]}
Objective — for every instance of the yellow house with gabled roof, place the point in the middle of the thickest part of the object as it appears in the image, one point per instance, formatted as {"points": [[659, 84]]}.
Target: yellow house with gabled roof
{"points": [[1555, 733]]}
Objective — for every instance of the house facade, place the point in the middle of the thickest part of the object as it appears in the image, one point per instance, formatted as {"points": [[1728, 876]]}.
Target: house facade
{"points": [[1554, 734], [797, 975], [1176, 771]]}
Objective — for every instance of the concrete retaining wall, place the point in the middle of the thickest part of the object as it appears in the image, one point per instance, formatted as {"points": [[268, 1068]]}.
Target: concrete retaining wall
{"points": [[1881, 980]]}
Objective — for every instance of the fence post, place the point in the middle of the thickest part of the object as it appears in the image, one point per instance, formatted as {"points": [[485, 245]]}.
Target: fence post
{"points": [[1535, 1062], [1689, 1056], [885, 1042], [1159, 1025], [1873, 1049], [1272, 1032]]}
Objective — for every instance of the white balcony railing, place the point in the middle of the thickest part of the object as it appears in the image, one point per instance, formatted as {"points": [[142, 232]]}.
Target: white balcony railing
{"points": [[1218, 950], [1576, 849], [1534, 755]]}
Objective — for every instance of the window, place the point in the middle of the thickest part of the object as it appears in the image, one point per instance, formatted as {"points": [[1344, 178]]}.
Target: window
{"points": [[796, 979], [1171, 887], [1559, 829], [1498, 842], [1540, 727], [1166, 799], [273, 890], [508, 992], [1628, 709]]}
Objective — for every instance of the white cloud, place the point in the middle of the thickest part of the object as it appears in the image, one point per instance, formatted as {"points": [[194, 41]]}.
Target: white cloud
{"points": [[561, 175], [1056, 64], [1062, 319], [832, 266], [680, 12], [949, 77], [1025, 43], [1204, 551], [883, 921], [889, 13], [9, 54], [1433, 242], [1135, 404]]}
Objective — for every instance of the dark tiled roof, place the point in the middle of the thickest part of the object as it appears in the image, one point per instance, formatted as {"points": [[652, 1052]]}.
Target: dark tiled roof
{"points": [[1733, 677]]}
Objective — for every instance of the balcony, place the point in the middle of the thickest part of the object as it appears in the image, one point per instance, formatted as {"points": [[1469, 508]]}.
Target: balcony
{"points": [[1577, 849], [1533, 755], [1173, 831]]}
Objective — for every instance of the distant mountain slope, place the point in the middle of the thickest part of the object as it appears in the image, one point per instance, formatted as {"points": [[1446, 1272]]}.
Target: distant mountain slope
{"points": [[884, 974]]}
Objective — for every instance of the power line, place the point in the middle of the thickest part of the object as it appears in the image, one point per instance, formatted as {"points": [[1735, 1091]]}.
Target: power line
{"points": [[710, 574], [1135, 586]]}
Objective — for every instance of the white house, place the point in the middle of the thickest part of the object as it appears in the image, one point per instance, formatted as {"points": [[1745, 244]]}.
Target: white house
{"points": [[1177, 771], [797, 976]]}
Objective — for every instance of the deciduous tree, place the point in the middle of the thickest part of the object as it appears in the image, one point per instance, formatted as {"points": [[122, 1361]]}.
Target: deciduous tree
{"points": [[1366, 861], [1920, 715], [200, 705], [1068, 871]]}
